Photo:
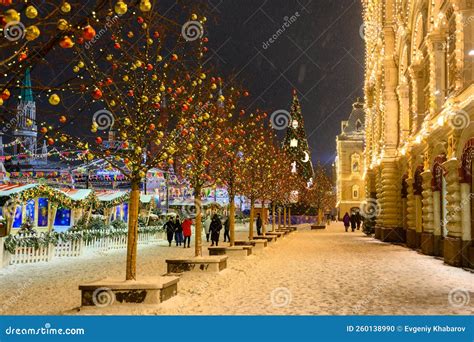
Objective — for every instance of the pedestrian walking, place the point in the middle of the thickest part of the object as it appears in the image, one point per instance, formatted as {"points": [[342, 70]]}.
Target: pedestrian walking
{"points": [[215, 228], [178, 232], [186, 225], [358, 220], [347, 221], [259, 224], [226, 230], [353, 221], [207, 225], [169, 228]]}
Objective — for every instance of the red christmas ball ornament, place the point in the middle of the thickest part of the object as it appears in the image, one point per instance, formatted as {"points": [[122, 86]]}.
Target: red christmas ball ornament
{"points": [[5, 95], [185, 107], [130, 93], [88, 32], [22, 56], [108, 81], [98, 140], [97, 93], [205, 39], [115, 66], [157, 105], [66, 42], [151, 127], [204, 49], [156, 34], [117, 46], [140, 20], [246, 93], [126, 161], [62, 119], [174, 57], [149, 67], [80, 40], [43, 130], [242, 112], [50, 141]]}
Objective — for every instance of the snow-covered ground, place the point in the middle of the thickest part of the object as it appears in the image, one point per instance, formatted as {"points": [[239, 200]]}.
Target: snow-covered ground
{"points": [[326, 272]]}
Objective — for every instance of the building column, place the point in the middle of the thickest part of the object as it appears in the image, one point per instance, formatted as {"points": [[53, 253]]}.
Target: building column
{"points": [[437, 224], [411, 214], [466, 261], [453, 242], [378, 195], [427, 235], [390, 203]]}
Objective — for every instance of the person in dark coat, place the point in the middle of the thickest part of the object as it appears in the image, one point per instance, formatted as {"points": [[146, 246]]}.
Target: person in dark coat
{"points": [[169, 228], [215, 228], [186, 225], [358, 220], [178, 232], [259, 224], [226, 230], [347, 221], [353, 222]]}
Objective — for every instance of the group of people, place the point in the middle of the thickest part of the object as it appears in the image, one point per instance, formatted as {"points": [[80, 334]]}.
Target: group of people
{"points": [[180, 231], [354, 221], [213, 226]]}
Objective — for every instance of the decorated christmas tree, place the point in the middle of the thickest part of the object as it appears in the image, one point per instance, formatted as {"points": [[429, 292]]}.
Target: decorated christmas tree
{"points": [[296, 143]]}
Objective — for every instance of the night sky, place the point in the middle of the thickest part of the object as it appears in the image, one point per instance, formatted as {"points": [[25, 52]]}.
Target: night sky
{"points": [[321, 55]]}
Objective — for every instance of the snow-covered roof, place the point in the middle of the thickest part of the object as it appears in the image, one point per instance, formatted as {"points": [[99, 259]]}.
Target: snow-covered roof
{"points": [[354, 127], [10, 189], [77, 194]]}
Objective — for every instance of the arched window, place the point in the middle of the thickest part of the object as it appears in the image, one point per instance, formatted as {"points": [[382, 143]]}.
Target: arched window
{"points": [[355, 192], [355, 163], [358, 126]]}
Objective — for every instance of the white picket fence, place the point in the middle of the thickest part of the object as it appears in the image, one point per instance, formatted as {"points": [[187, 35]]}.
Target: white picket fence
{"points": [[76, 248], [27, 255], [68, 248]]}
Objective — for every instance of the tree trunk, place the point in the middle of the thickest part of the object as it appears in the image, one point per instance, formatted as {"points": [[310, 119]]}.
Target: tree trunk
{"points": [[232, 219], [273, 217], [252, 214], [284, 217], [320, 216], [264, 218], [289, 216], [198, 232], [131, 272], [279, 217]]}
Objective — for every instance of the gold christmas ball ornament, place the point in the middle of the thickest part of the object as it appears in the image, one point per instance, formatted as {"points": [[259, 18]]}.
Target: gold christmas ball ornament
{"points": [[1, 101], [125, 78], [145, 5], [127, 122], [54, 99], [11, 15], [32, 32], [202, 76], [65, 7], [63, 24], [31, 12], [121, 8], [80, 64], [113, 103], [194, 16], [144, 99], [75, 69]]}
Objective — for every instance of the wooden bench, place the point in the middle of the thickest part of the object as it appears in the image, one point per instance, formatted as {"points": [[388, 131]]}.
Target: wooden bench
{"points": [[233, 252], [146, 290], [256, 244], [200, 264], [268, 238], [318, 226]]}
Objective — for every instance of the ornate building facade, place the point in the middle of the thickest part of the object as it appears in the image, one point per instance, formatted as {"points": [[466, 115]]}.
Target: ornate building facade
{"points": [[349, 163], [419, 98]]}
